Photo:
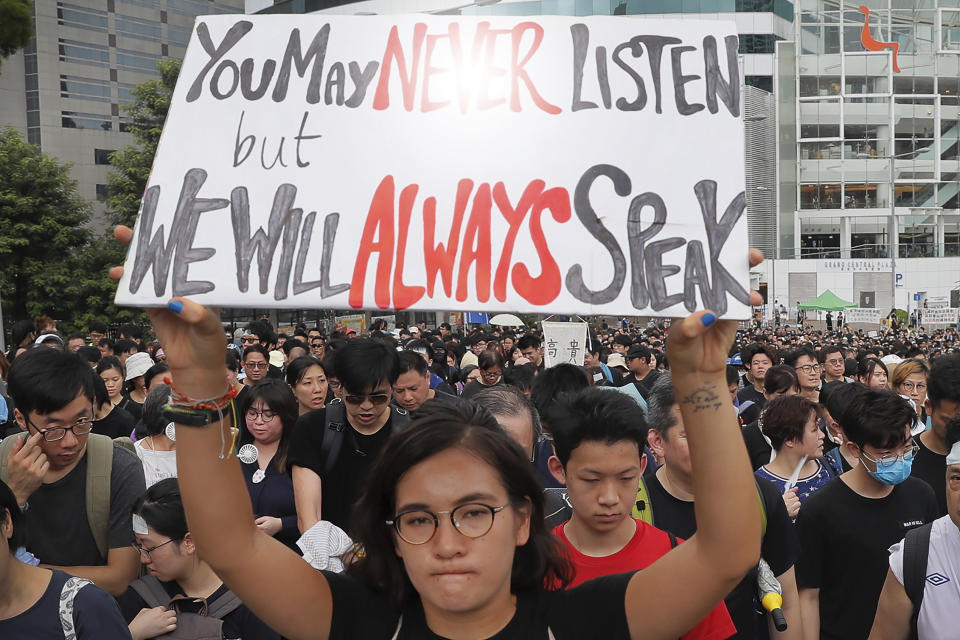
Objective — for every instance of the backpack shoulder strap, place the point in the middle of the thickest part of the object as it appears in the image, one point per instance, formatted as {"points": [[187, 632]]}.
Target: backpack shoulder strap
{"points": [[223, 605], [152, 592], [334, 422], [642, 509], [399, 418], [126, 443], [673, 540], [763, 511], [99, 467], [916, 551], [6, 445], [67, 595], [744, 406]]}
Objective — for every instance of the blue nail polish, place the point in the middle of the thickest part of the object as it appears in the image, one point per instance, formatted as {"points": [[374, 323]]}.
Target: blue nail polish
{"points": [[175, 305], [708, 319]]}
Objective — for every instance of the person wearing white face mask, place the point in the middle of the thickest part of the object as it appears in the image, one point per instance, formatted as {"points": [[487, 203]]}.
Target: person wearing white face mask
{"points": [[847, 526]]}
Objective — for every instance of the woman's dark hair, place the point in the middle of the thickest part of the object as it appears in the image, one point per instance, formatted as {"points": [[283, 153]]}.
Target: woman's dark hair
{"points": [[867, 366], [153, 420], [780, 378], [8, 505], [521, 376], [278, 396], [466, 371], [162, 508], [299, 366], [232, 360], [110, 362], [158, 369], [90, 354], [489, 359], [785, 418], [471, 428], [100, 395]]}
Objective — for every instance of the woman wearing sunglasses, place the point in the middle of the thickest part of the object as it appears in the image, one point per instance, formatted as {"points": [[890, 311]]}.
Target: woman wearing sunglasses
{"points": [[451, 522]]}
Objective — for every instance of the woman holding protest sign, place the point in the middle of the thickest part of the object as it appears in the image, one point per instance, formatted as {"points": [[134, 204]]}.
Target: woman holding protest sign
{"points": [[451, 524]]}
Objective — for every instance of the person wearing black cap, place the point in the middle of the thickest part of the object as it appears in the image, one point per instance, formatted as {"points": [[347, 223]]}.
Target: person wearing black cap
{"points": [[640, 363]]}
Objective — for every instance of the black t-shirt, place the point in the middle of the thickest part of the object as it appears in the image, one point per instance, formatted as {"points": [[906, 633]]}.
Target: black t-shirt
{"points": [[643, 386], [133, 407], [844, 538], [749, 392], [239, 623], [932, 468], [347, 479], [595, 609], [95, 615], [475, 387], [58, 532], [118, 423], [779, 546]]}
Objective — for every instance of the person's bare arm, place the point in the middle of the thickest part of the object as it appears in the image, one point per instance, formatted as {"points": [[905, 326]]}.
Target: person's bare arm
{"points": [[679, 589], [114, 577], [810, 612], [790, 608], [273, 581], [894, 610], [307, 495]]}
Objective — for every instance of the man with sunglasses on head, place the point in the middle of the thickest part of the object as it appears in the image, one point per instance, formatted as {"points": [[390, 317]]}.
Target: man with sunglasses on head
{"points": [[333, 448], [76, 488]]}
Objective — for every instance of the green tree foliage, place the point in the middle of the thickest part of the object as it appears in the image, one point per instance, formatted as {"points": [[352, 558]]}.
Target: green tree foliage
{"points": [[42, 228], [51, 261], [132, 164], [16, 25]]}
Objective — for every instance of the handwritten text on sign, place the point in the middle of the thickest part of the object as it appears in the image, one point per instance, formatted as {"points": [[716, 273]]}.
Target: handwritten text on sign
{"points": [[563, 165]]}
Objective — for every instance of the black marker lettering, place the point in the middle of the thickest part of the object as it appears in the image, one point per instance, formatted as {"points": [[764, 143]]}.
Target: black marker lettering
{"points": [[361, 81], [717, 234], [679, 80], [233, 36], [729, 89], [581, 40]]}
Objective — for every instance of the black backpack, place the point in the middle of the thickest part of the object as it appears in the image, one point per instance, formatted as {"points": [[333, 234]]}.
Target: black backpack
{"points": [[916, 550], [334, 431], [206, 625]]}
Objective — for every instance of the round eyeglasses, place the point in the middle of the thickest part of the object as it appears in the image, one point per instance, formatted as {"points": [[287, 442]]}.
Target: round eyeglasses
{"points": [[908, 452], [473, 520]]}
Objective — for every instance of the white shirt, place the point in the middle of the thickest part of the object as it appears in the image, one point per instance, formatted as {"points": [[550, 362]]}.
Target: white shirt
{"points": [[157, 465], [941, 592]]}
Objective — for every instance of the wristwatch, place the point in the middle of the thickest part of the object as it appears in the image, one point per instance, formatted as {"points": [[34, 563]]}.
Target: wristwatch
{"points": [[195, 417]]}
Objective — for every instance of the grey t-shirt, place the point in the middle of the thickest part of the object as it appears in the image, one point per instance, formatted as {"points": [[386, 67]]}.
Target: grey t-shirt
{"points": [[57, 529]]}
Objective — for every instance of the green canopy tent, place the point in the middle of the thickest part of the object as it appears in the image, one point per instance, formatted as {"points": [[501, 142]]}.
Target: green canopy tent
{"points": [[827, 301]]}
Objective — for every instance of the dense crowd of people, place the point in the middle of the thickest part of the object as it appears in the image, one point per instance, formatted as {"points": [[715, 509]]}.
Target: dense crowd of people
{"points": [[182, 481]]}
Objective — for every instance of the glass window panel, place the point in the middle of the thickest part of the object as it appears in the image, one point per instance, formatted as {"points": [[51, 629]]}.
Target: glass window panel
{"points": [[869, 237], [820, 237]]}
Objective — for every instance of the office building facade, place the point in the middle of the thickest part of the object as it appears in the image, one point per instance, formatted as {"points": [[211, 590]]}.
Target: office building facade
{"points": [[65, 91]]}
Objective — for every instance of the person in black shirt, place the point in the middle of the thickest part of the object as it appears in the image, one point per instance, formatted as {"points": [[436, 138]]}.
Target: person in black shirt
{"points": [[367, 370], [451, 521], [671, 493], [758, 358], [942, 403], [846, 527], [643, 373]]}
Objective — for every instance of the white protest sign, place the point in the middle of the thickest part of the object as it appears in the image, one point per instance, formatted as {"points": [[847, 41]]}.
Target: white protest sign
{"points": [[356, 322], [861, 316], [939, 315], [564, 342], [550, 164], [389, 320]]}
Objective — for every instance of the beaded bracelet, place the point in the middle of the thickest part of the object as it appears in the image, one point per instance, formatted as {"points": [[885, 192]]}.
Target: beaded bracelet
{"points": [[217, 403]]}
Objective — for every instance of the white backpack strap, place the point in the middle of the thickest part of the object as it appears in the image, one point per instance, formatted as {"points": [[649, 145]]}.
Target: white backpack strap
{"points": [[67, 595], [550, 635], [396, 634]]}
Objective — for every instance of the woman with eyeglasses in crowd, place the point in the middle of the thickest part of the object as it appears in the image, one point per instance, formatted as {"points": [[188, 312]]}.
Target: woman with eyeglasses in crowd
{"points": [[178, 581], [490, 363], [451, 521], [269, 411], [909, 379]]}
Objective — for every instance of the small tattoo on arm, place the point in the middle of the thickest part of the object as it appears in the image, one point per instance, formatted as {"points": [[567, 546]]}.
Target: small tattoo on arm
{"points": [[703, 399]]}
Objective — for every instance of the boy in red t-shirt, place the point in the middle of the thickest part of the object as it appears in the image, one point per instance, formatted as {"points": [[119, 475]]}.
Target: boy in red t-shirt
{"points": [[599, 440]]}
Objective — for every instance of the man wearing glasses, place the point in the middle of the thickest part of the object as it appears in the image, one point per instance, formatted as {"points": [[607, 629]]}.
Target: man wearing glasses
{"points": [[846, 527], [833, 363], [804, 362], [354, 431], [47, 469]]}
